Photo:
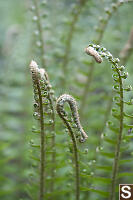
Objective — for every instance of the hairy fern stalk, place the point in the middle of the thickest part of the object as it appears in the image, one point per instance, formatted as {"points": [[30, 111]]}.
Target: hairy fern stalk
{"points": [[100, 31], [60, 110], [44, 107], [119, 76]]}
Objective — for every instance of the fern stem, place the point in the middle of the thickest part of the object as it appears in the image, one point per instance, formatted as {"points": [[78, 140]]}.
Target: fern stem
{"points": [[36, 73], [119, 139], [91, 70], [53, 138], [128, 48], [76, 158], [42, 148], [40, 30], [69, 42], [118, 76], [86, 88], [60, 103], [124, 57]]}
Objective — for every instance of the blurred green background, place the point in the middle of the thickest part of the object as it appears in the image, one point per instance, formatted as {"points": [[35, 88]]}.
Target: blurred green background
{"points": [[18, 47]]}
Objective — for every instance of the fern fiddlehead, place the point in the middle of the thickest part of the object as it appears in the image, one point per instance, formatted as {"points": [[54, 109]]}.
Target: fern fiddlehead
{"points": [[61, 112], [44, 106], [36, 77], [100, 30], [118, 75]]}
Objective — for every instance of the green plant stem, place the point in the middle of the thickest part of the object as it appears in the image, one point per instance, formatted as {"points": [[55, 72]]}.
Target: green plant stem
{"points": [[83, 136], [76, 157], [86, 88], [114, 61], [124, 56], [128, 49], [42, 147], [53, 129], [92, 68], [119, 139], [53, 141], [69, 42], [40, 29]]}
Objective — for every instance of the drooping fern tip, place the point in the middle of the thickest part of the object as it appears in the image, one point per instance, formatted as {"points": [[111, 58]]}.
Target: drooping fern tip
{"points": [[92, 52], [118, 75], [60, 110]]}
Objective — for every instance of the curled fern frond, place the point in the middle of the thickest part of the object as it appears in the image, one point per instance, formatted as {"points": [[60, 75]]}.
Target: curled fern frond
{"points": [[60, 110], [90, 51], [45, 114], [37, 75], [118, 75], [100, 31]]}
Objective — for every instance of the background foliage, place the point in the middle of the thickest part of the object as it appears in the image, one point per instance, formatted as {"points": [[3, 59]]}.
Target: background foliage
{"points": [[66, 34]]}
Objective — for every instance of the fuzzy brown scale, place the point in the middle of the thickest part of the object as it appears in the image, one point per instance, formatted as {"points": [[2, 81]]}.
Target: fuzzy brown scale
{"points": [[92, 52], [72, 103]]}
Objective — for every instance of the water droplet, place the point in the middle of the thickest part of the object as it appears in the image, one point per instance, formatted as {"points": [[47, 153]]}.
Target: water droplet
{"points": [[100, 148], [131, 101], [31, 141], [66, 130], [48, 177], [35, 105], [116, 60], [38, 43], [52, 92], [108, 11], [86, 150], [45, 94], [44, 2], [36, 115], [121, 1], [90, 163], [45, 14], [51, 121], [49, 86], [33, 8], [122, 68], [124, 141], [92, 173], [125, 75], [84, 170], [114, 5], [70, 161], [71, 173], [129, 88], [35, 18], [36, 32], [45, 101], [103, 135], [97, 149]]}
